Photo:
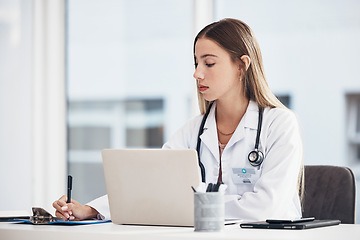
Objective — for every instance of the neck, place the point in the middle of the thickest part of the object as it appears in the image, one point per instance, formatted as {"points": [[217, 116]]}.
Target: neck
{"points": [[230, 113], [228, 116]]}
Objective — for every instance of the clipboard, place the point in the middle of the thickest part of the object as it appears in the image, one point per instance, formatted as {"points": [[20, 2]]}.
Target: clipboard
{"points": [[42, 217]]}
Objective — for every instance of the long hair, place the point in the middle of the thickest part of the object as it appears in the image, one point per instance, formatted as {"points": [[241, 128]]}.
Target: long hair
{"points": [[237, 38]]}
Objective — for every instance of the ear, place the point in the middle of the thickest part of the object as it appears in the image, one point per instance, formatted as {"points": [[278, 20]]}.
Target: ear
{"points": [[246, 60]]}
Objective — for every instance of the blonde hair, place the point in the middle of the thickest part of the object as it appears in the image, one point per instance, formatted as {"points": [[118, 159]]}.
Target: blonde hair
{"points": [[237, 38]]}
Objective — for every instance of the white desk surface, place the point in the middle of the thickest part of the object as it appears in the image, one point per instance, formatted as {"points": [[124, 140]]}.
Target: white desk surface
{"points": [[15, 231]]}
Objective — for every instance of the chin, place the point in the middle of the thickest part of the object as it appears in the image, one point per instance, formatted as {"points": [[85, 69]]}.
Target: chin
{"points": [[208, 98]]}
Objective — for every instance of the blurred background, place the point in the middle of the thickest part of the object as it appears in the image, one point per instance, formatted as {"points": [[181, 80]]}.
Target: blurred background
{"points": [[78, 76]]}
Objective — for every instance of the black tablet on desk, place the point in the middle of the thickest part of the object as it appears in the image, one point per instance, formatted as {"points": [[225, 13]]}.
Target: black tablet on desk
{"points": [[295, 225]]}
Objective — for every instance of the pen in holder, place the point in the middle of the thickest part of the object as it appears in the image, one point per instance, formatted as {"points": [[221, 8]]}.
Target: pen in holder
{"points": [[209, 211]]}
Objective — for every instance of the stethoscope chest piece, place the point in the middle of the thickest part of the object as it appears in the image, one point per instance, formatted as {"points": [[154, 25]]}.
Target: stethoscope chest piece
{"points": [[255, 158]]}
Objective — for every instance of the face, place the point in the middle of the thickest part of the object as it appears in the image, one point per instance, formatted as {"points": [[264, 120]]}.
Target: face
{"points": [[218, 77]]}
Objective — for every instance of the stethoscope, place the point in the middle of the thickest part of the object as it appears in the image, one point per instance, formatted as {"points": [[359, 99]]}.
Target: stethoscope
{"points": [[255, 157]]}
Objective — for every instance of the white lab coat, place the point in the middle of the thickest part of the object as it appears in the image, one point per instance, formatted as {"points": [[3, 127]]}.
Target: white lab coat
{"points": [[274, 194], [273, 191]]}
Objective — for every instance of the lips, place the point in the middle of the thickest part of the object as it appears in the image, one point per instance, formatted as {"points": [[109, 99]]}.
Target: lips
{"points": [[203, 88]]}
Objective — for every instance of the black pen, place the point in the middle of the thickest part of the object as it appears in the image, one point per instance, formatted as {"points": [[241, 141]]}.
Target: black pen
{"points": [[69, 188]]}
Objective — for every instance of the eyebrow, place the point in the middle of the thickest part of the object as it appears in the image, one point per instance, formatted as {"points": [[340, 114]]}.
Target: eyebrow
{"points": [[206, 55]]}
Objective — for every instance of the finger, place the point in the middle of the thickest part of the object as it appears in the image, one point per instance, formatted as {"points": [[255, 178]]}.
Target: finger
{"points": [[65, 214], [58, 205], [68, 207], [62, 201], [63, 209], [63, 198], [59, 214]]}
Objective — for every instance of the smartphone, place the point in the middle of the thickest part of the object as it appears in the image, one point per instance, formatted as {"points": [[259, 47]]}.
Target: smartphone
{"points": [[290, 220]]}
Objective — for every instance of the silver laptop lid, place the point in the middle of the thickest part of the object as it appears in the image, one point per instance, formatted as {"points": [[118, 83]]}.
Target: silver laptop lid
{"points": [[151, 186]]}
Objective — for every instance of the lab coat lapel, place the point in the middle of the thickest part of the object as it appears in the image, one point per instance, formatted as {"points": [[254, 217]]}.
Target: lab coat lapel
{"points": [[209, 137], [249, 120]]}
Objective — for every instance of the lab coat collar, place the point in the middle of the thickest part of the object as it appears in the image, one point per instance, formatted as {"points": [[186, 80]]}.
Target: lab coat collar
{"points": [[251, 115], [210, 134], [249, 120]]}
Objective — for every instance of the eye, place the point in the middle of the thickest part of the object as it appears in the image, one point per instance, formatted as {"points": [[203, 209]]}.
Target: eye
{"points": [[210, 64]]}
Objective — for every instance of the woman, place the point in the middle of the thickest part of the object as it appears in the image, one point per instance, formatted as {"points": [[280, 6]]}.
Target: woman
{"points": [[263, 173]]}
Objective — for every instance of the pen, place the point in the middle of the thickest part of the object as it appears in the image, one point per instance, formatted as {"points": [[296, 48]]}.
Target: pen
{"points": [[69, 188]]}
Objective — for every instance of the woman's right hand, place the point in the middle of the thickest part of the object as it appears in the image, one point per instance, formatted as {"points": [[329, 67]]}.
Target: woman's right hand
{"points": [[74, 210]]}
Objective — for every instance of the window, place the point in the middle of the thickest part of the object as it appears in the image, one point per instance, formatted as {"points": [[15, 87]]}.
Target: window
{"points": [[93, 126], [129, 78], [285, 99], [144, 123], [353, 126]]}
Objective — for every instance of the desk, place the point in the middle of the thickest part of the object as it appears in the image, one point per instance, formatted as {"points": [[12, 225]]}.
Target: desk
{"points": [[15, 231]]}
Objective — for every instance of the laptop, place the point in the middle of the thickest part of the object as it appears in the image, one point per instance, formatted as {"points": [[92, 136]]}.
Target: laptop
{"points": [[296, 225], [151, 186]]}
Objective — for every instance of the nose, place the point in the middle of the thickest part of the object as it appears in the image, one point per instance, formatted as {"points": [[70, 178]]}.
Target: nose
{"points": [[198, 74]]}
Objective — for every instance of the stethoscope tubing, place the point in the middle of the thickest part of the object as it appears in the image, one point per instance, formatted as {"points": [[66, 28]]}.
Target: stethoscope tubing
{"points": [[201, 130]]}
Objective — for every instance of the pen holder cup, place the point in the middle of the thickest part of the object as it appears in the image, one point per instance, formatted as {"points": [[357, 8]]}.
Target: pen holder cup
{"points": [[209, 211]]}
